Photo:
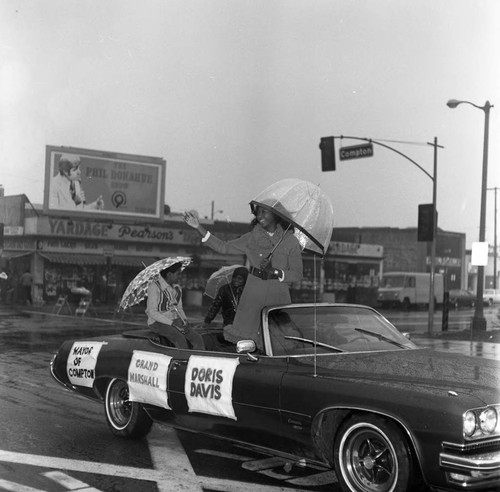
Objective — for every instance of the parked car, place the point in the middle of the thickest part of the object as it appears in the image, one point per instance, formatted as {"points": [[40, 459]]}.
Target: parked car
{"points": [[335, 385], [491, 296], [462, 298]]}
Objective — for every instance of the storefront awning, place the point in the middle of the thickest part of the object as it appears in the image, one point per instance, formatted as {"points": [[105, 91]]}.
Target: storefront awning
{"points": [[74, 258], [9, 255]]}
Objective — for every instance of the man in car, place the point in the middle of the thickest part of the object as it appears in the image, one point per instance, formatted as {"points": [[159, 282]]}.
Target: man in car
{"points": [[227, 298]]}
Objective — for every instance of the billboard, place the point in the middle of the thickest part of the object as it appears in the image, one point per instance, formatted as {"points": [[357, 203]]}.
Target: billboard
{"points": [[105, 184]]}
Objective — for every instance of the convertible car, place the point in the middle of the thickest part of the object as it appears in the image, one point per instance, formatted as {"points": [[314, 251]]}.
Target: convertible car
{"points": [[329, 384]]}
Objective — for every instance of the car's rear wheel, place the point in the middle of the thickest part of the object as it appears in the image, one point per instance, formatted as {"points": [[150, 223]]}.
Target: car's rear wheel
{"points": [[371, 455], [125, 418]]}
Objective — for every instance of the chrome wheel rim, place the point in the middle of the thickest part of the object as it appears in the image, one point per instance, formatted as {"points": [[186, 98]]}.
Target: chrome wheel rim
{"points": [[118, 404], [368, 459]]}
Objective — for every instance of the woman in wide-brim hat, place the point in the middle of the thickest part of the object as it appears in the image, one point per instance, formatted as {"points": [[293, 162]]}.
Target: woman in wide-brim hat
{"points": [[275, 261]]}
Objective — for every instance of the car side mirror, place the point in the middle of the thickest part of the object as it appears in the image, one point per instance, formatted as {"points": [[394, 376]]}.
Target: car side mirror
{"points": [[406, 334], [245, 347]]}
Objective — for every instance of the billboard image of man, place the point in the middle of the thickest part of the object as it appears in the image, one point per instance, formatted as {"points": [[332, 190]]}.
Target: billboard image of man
{"points": [[65, 188]]}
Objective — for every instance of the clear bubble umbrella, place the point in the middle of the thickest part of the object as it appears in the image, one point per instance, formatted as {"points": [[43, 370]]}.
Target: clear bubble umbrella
{"points": [[303, 205]]}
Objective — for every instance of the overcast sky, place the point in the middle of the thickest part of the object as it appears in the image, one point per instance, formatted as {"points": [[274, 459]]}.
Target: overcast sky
{"points": [[236, 95]]}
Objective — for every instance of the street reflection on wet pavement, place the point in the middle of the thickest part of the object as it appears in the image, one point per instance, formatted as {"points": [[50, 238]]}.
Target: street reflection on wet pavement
{"points": [[28, 331], [487, 350], [32, 332]]}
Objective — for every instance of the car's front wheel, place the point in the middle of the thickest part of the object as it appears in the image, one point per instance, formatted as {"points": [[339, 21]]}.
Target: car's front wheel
{"points": [[125, 418], [371, 455]]}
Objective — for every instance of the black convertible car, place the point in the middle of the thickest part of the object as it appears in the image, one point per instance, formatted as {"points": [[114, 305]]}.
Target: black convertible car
{"points": [[335, 385]]}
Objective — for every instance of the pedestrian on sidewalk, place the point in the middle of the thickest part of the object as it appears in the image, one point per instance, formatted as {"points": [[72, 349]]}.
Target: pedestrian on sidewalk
{"points": [[26, 285]]}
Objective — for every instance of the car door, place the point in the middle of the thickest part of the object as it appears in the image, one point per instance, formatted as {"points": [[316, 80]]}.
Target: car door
{"points": [[227, 394]]}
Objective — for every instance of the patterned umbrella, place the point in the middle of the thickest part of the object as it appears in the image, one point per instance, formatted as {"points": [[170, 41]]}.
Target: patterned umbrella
{"points": [[305, 206], [138, 288], [219, 278]]}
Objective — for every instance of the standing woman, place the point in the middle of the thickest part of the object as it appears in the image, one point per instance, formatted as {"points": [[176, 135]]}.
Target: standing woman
{"points": [[275, 259]]}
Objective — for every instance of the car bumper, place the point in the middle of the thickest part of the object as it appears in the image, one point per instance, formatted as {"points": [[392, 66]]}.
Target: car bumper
{"points": [[471, 471]]}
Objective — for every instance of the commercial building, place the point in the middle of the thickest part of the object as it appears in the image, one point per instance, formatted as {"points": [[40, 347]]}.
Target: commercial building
{"points": [[104, 255], [103, 219], [402, 251], [64, 251]]}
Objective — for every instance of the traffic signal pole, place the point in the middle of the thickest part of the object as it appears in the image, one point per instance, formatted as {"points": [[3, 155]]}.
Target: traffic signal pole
{"points": [[326, 145], [430, 321]]}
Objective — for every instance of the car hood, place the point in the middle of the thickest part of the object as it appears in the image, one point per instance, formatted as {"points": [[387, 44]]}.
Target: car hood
{"points": [[473, 376]]}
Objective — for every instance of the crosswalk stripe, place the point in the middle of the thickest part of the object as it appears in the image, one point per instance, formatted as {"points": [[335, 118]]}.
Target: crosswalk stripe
{"points": [[16, 487], [170, 477]]}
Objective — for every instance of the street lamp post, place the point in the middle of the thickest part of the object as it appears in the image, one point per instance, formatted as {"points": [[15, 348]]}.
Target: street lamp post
{"points": [[495, 274], [478, 321]]}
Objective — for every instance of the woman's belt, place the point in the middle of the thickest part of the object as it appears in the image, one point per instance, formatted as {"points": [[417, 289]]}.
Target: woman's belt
{"points": [[265, 274]]}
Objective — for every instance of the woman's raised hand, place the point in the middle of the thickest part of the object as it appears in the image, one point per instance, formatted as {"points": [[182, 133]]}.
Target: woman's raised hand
{"points": [[191, 218]]}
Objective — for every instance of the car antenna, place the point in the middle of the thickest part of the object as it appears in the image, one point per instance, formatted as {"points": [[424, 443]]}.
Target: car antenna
{"points": [[315, 321]]}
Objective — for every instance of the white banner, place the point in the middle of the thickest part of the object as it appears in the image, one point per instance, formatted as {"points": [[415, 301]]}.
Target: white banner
{"points": [[81, 363], [209, 385], [147, 378]]}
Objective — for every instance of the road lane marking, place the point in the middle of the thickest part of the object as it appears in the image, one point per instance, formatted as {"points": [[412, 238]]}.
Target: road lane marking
{"points": [[68, 482], [16, 487], [175, 458], [53, 462], [169, 478], [265, 466], [315, 480]]}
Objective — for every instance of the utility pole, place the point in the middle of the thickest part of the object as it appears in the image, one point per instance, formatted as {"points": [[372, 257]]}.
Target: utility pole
{"points": [[328, 148], [495, 252], [430, 319]]}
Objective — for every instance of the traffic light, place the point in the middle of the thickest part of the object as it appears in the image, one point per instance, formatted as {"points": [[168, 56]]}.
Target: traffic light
{"points": [[425, 222], [327, 154]]}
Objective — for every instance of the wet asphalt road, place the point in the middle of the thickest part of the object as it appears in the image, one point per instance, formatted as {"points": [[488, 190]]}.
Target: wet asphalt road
{"points": [[57, 441]]}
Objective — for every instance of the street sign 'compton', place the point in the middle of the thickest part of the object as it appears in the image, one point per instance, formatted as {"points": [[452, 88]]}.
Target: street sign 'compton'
{"points": [[356, 151]]}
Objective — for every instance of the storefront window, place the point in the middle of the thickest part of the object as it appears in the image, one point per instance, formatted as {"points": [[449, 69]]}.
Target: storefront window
{"points": [[352, 282], [59, 279]]}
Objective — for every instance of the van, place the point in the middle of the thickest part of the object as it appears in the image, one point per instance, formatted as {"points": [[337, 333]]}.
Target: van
{"points": [[406, 289]]}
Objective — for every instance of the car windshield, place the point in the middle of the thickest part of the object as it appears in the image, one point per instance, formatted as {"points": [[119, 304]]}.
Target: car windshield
{"points": [[323, 329]]}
